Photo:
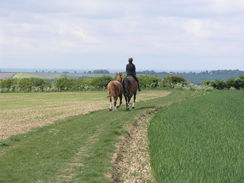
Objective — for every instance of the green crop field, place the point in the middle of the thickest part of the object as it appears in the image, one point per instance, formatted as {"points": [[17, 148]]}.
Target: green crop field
{"points": [[200, 140]]}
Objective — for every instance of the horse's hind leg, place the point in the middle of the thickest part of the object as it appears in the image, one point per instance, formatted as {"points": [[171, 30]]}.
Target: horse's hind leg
{"points": [[126, 101], [120, 98], [110, 105], [134, 101], [115, 103]]}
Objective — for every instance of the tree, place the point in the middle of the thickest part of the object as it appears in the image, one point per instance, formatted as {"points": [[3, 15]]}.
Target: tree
{"points": [[218, 84]]}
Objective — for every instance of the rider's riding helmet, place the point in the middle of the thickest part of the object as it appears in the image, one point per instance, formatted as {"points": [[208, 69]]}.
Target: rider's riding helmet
{"points": [[130, 59]]}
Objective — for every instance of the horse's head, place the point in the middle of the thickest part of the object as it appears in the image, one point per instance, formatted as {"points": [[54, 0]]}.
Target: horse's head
{"points": [[119, 76]]}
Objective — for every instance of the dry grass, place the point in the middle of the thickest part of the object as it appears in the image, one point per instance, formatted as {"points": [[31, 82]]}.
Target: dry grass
{"points": [[151, 95], [23, 111], [19, 121]]}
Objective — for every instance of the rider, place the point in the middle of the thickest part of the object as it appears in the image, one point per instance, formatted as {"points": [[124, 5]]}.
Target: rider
{"points": [[131, 71]]}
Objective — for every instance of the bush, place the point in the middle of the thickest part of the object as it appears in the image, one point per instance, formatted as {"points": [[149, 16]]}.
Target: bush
{"points": [[148, 81], [24, 85], [81, 84], [5, 85], [101, 82], [172, 80], [207, 83], [191, 86], [30, 84], [242, 81], [237, 83], [63, 84], [234, 83], [218, 84]]}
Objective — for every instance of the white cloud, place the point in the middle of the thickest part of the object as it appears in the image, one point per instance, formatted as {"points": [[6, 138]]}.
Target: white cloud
{"points": [[166, 28], [198, 28], [228, 6]]}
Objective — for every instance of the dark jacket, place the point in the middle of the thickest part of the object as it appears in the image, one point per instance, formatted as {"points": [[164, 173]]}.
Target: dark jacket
{"points": [[131, 69]]}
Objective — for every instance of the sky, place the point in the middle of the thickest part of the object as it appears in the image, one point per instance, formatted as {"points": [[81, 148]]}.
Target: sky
{"points": [[101, 34]]}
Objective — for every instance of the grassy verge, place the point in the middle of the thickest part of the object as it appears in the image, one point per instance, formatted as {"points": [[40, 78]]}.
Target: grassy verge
{"points": [[199, 140], [75, 149]]}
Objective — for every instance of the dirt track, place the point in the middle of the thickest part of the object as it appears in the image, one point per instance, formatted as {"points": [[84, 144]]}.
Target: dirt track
{"points": [[132, 161]]}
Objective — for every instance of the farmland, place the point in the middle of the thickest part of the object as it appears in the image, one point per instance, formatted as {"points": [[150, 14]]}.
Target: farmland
{"points": [[84, 143], [6, 75], [71, 137], [52, 76]]}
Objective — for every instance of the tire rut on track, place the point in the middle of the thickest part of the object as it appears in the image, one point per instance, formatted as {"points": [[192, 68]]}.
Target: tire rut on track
{"points": [[132, 160]]}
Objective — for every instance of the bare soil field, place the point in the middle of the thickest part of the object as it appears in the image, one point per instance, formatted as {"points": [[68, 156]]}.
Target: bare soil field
{"points": [[6, 75]]}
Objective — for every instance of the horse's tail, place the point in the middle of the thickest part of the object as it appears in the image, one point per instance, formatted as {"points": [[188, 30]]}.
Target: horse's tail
{"points": [[111, 89], [126, 85]]}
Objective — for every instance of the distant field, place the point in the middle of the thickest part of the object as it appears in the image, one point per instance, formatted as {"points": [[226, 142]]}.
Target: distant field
{"points": [[200, 140], [20, 112], [189, 76], [6, 75], [56, 75]]}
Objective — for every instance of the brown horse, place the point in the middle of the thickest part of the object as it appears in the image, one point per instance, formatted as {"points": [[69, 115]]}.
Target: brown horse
{"points": [[115, 91], [130, 89]]}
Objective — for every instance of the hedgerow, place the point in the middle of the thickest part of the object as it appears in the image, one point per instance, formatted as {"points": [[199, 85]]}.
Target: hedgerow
{"points": [[234, 83], [146, 81], [61, 84]]}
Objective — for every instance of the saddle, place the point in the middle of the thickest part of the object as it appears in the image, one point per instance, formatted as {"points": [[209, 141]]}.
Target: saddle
{"points": [[131, 78]]}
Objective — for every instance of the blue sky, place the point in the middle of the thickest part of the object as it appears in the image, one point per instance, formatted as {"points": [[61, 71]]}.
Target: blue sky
{"points": [[92, 34]]}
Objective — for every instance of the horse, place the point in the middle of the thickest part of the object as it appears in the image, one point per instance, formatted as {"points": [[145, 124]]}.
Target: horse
{"points": [[115, 91], [130, 89]]}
